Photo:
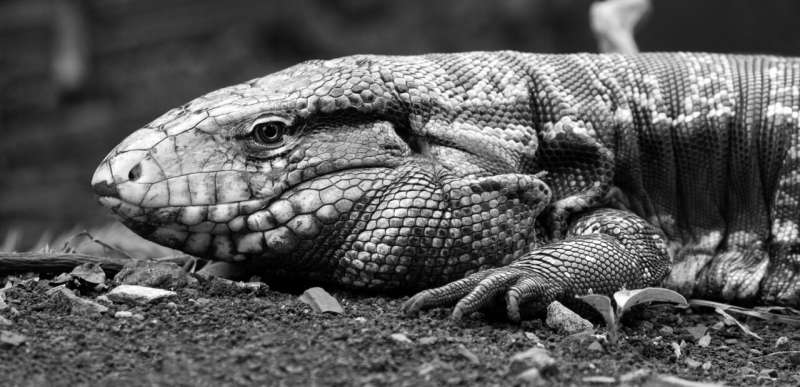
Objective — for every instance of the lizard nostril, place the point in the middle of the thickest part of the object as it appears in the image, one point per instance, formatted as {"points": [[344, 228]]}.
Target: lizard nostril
{"points": [[135, 173]]}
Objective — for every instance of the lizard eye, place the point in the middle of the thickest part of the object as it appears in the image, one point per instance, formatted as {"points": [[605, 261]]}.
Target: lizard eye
{"points": [[268, 131]]}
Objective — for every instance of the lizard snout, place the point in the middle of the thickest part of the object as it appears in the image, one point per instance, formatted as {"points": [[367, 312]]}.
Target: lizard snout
{"points": [[103, 183]]}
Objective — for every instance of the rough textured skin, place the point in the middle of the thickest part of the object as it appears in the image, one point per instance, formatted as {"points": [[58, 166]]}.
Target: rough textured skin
{"points": [[518, 176]]}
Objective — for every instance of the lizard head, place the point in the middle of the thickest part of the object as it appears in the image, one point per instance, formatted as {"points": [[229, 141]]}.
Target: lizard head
{"points": [[252, 169]]}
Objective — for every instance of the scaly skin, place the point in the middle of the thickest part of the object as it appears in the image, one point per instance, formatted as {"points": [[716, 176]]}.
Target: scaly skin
{"points": [[488, 169]]}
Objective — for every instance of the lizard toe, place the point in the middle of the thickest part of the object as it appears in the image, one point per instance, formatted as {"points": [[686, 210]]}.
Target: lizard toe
{"points": [[495, 283], [441, 296], [524, 290]]}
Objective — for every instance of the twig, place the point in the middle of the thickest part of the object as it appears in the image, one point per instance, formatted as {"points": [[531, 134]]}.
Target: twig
{"points": [[60, 262], [769, 316], [777, 353]]}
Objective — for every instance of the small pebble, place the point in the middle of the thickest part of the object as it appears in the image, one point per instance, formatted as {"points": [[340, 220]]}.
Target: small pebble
{"points": [[599, 379], [731, 341], [746, 371], [595, 346], [561, 318], [532, 337], [428, 340], [123, 314], [666, 331], [463, 351], [697, 331], [76, 304], [171, 305], [4, 321], [10, 339], [782, 341], [202, 301], [360, 320], [400, 338], [692, 363], [135, 294], [706, 366], [704, 341]]}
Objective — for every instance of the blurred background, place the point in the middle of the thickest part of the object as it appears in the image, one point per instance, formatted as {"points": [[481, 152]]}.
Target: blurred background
{"points": [[77, 76]]}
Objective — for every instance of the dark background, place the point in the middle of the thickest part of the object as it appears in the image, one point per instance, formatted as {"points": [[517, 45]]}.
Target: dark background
{"points": [[137, 59]]}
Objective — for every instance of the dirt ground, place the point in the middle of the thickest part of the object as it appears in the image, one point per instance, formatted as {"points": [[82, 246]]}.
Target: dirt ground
{"points": [[204, 338]]}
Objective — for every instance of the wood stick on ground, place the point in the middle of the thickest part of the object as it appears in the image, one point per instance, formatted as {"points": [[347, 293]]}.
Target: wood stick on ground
{"points": [[64, 262]]}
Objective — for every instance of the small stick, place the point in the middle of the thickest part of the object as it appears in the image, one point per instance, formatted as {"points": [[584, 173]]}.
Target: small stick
{"points": [[63, 262]]}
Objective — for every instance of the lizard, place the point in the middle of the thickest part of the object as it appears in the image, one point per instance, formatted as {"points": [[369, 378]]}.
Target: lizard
{"points": [[477, 177]]}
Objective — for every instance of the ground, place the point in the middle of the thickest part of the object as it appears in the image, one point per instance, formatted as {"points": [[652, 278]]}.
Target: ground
{"points": [[204, 337]]}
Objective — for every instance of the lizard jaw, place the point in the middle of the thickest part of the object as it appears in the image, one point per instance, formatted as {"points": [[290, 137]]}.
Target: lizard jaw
{"points": [[262, 227]]}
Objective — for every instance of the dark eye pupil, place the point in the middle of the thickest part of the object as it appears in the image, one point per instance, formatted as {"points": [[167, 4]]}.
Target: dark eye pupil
{"points": [[269, 132]]}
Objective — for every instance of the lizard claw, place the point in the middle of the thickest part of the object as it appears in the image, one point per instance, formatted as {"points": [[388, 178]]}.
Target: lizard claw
{"points": [[477, 291], [441, 296]]}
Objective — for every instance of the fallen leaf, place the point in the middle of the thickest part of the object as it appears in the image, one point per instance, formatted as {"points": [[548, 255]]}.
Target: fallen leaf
{"points": [[731, 320], [89, 272], [321, 301], [626, 299], [602, 304]]}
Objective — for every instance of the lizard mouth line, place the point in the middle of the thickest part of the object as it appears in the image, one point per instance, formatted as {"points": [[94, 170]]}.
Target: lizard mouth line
{"points": [[117, 200], [231, 217]]}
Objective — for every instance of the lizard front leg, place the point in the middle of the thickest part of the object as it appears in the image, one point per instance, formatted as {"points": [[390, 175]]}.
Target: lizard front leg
{"points": [[603, 251], [427, 226], [579, 170]]}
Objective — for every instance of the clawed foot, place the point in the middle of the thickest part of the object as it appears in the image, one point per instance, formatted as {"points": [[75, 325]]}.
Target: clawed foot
{"points": [[470, 294]]}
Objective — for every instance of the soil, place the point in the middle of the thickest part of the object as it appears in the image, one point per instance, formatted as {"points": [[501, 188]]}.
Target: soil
{"points": [[202, 337]]}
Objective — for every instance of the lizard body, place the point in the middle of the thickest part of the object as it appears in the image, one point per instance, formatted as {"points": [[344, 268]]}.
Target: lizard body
{"points": [[531, 176]]}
